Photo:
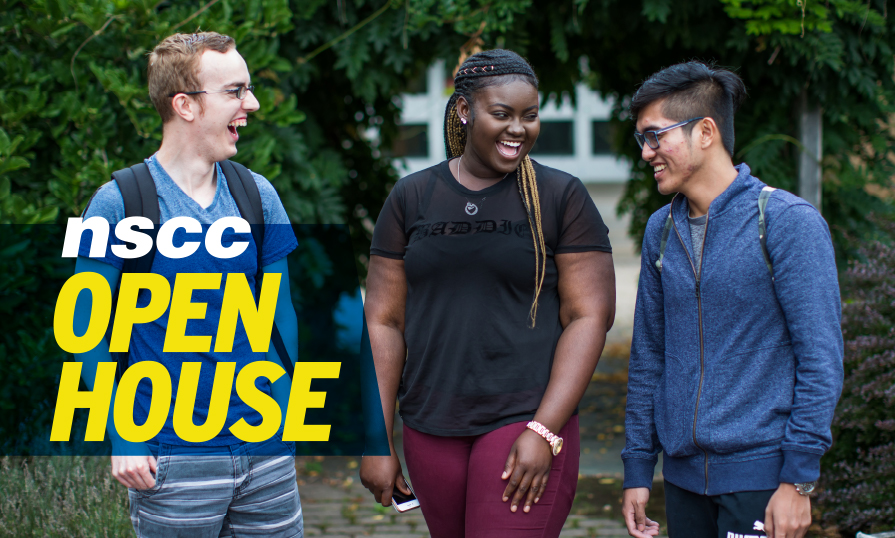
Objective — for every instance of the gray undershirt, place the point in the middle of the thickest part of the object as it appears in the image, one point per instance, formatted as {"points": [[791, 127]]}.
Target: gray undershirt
{"points": [[697, 237]]}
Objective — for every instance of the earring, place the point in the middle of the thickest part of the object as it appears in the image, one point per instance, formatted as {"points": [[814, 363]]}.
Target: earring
{"points": [[463, 121]]}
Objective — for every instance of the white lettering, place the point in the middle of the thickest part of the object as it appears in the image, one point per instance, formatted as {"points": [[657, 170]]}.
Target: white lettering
{"points": [[165, 239], [128, 231], [124, 230], [75, 228], [213, 237]]}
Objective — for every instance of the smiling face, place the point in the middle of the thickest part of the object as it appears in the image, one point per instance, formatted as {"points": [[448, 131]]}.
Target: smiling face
{"points": [[216, 125], [678, 157], [502, 127]]}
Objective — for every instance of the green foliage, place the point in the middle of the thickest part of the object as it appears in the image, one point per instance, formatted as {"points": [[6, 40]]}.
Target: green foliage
{"points": [[844, 63], [61, 496], [74, 105], [765, 17], [859, 471], [31, 274]]}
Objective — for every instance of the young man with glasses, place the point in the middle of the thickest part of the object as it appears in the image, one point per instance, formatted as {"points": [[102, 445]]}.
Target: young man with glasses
{"points": [[736, 359], [201, 87]]}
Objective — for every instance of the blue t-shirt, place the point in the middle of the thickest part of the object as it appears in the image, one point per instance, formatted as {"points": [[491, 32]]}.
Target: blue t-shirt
{"points": [[147, 339]]}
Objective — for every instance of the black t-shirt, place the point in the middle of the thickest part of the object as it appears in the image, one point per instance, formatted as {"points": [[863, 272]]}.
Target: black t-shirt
{"points": [[473, 362]]}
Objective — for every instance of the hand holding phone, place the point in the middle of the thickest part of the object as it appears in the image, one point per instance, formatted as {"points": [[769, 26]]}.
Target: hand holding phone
{"points": [[403, 502], [381, 475]]}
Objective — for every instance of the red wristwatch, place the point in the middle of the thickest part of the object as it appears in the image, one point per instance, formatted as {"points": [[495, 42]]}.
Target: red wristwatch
{"points": [[554, 440]]}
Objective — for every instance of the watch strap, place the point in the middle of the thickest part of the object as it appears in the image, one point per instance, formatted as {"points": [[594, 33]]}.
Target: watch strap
{"points": [[549, 436]]}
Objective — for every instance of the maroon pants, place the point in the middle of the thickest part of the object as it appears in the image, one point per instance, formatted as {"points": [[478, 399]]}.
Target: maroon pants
{"points": [[457, 481]]}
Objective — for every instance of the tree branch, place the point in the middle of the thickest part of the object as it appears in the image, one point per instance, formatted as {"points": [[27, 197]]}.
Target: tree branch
{"points": [[88, 40], [358, 26], [194, 15]]}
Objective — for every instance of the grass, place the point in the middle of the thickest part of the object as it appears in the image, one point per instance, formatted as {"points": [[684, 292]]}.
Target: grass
{"points": [[61, 496]]}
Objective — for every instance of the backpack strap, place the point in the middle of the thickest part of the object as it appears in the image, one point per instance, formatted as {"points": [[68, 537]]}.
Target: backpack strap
{"points": [[277, 339], [665, 233], [762, 226], [248, 199], [140, 200]]}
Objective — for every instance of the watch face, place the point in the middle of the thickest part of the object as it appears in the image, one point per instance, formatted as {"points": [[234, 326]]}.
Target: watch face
{"points": [[557, 446], [806, 487]]}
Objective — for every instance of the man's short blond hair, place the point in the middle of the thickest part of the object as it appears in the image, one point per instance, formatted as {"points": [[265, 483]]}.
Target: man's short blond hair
{"points": [[174, 67]]}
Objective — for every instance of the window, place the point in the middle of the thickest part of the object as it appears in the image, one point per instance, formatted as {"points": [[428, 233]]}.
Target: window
{"points": [[603, 133], [556, 138], [412, 141]]}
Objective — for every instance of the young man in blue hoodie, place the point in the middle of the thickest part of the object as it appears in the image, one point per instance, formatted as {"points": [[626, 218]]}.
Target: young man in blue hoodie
{"points": [[736, 360]]}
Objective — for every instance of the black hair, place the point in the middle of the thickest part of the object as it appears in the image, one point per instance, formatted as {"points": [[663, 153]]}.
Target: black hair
{"points": [[694, 89], [479, 71], [490, 68]]}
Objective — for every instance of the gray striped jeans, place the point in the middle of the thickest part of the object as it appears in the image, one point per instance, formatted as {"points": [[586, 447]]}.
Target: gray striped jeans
{"points": [[248, 489]]}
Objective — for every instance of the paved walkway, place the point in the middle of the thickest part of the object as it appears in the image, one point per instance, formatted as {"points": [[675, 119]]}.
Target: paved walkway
{"points": [[336, 505]]}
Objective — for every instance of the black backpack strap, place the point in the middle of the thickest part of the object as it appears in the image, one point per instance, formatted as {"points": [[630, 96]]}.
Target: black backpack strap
{"points": [[665, 233], [245, 193], [278, 344], [248, 199], [762, 226], [140, 200]]}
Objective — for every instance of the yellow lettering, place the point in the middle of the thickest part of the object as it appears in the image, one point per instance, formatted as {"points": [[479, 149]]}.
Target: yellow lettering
{"points": [[185, 402], [301, 399], [240, 301], [127, 313], [158, 406], [271, 414], [64, 315], [70, 398], [183, 309]]}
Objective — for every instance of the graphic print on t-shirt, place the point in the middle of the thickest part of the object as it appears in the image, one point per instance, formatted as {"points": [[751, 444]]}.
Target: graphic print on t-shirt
{"points": [[454, 227]]}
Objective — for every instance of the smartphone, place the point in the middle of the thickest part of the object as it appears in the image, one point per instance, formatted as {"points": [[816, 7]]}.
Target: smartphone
{"points": [[402, 502]]}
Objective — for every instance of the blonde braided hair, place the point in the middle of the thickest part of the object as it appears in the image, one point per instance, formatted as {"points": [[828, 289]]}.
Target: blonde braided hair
{"points": [[477, 72]]}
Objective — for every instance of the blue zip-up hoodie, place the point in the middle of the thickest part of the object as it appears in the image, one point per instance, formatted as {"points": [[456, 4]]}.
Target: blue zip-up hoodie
{"points": [[734, 376]]}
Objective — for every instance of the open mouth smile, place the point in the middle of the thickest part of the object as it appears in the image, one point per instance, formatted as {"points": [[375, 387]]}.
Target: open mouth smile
{"points": [[658, 169], [233, 125], [508, 148]]}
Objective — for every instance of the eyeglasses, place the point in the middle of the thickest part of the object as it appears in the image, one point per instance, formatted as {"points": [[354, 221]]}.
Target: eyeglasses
{"points": [[652, 137], [239, 93]]}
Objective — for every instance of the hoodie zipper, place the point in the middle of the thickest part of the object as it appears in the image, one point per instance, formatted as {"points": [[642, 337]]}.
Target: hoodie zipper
{"points": [[698, 276]]}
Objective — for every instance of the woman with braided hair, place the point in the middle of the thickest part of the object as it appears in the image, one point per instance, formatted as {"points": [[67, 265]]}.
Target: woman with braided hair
{"points": [[489, 294]]}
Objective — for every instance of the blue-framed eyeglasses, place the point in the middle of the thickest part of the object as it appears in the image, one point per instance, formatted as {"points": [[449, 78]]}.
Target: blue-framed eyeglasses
{"points": [[652, 137], [239, 93]]}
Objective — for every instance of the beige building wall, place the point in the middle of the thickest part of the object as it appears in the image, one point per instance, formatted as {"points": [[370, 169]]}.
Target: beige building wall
{"points": [[625, 256]]}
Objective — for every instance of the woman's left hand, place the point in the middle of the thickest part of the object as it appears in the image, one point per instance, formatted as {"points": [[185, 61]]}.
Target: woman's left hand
{"points": [[527, 469]]}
